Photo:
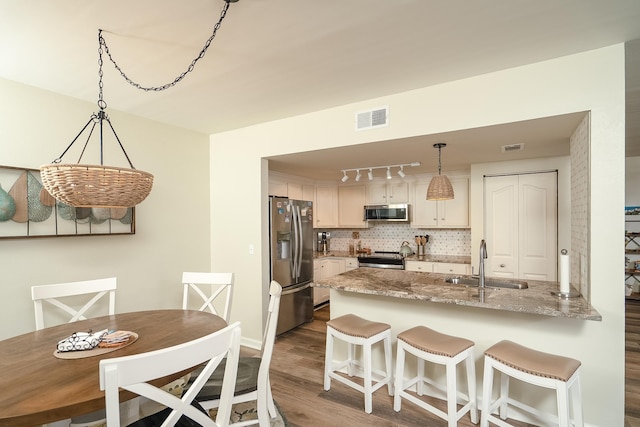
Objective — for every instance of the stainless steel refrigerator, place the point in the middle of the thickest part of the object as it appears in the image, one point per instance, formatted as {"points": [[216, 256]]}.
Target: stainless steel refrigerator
{"points": [[291, 255]]}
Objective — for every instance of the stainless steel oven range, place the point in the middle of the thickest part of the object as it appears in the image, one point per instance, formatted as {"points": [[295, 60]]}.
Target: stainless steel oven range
{"points": [[382, 259]]}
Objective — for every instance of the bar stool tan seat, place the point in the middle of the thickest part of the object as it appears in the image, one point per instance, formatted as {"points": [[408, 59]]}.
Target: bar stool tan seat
{"points": [[533, 367], [435, 347], [354, 331]]}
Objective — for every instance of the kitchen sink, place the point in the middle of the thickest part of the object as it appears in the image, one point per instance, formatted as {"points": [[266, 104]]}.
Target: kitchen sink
{"points": [[488, 283]]}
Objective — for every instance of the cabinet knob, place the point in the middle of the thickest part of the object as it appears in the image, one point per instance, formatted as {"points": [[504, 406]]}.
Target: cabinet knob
{"points": [[502, 266]]}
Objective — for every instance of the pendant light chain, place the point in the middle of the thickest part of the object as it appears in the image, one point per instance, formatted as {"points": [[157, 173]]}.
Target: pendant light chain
{"points": [[440, 160], [191, 67]]}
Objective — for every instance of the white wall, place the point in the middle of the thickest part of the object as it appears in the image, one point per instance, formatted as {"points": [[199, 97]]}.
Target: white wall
{"points": [[172, 224], [592, 81]]}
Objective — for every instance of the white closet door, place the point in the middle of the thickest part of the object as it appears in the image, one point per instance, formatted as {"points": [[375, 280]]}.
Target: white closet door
{"points": [[501, 226], [521, 226], [538, 226]]}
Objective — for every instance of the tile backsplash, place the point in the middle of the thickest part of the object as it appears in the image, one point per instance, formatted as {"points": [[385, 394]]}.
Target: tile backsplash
{"points": [[389, 237]]}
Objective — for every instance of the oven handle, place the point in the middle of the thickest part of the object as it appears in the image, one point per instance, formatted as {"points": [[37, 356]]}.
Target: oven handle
{"points": [[296, 289]]}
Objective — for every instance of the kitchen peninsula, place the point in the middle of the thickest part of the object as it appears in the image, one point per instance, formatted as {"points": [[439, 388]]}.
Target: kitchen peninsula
{"points": [[536, 299]]}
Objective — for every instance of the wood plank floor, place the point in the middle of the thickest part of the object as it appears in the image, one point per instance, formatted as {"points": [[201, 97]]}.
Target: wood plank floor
{"points": [[632, 364], [296, 378], [297, 385]]}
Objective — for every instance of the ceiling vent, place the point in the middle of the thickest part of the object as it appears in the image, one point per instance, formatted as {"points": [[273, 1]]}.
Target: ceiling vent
{"points": [[371, 119], [512, 148]]}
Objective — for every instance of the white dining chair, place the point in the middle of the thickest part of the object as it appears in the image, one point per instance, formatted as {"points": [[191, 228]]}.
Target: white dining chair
{"points": [[134, 373], [252, 382], [214, 289], [56, 295], [70, 302], [211, 292]]}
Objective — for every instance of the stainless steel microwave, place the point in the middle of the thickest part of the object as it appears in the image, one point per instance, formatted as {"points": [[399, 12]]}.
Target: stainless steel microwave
{"points": [[390, 213]]}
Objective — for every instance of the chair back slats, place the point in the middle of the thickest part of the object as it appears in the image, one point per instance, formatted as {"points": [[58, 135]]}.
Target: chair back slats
{"points": [[219, 289], [259, 388], [134, 372], [52, 294]]}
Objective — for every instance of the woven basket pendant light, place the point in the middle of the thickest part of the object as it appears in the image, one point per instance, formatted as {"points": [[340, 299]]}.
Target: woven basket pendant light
{"points": [[83, 185], [440, 187]]}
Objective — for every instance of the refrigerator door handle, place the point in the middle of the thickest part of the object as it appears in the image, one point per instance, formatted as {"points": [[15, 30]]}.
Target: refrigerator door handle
{"points": [[300, 241], [296, 289], [295, 243]]}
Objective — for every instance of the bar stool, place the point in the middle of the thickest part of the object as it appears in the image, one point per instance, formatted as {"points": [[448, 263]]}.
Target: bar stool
{"points": [[533, 367], [429, 345], [354, 331]]}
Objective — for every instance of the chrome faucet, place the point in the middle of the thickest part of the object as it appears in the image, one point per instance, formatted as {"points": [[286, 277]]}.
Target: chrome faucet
{"points": [[483, 256]]}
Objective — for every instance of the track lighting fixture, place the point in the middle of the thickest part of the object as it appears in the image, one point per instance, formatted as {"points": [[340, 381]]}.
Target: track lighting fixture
{"points": [[401, 173]]}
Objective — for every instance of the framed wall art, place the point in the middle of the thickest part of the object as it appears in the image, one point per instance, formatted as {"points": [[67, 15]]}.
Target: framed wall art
{"points": [[28, 210]]}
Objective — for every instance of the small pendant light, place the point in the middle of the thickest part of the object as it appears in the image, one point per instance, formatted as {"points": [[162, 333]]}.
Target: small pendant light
{"points": [[440, 187]]}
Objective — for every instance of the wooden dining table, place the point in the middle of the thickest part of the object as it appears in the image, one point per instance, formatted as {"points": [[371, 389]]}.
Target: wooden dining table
{"points": [[36, 387]]}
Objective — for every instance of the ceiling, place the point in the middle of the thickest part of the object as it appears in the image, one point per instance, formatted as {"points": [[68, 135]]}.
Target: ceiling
{"points": [[273, 59]]}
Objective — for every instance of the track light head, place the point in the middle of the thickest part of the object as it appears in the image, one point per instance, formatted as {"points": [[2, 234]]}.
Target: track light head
{"points": [[358, 175]]}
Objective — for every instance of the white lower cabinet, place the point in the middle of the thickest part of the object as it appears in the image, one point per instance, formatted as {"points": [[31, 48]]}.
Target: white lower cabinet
{"points": [[422, 266], [451, 268], [351, 263], [323, 268], [438, 267]]}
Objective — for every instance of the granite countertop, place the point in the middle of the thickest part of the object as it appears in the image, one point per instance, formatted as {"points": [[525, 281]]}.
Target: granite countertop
{"points": [[536, 299], [455, 259], [339, 254]]}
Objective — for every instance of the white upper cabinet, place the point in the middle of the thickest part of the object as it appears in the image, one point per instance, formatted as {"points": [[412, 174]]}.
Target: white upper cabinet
{"points": [[294, 190], [351, 201], [442, 214], [326, 206], [278, 188], [387, 193]]}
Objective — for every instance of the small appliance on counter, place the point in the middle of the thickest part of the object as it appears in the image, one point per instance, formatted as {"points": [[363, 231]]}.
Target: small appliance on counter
{"points": [[405, 250], [324, 242]]}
